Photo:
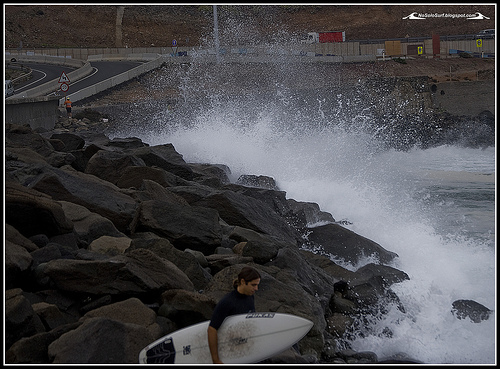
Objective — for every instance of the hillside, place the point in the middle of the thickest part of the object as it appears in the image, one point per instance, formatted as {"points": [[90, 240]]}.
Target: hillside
{"points": [[38, 25]]}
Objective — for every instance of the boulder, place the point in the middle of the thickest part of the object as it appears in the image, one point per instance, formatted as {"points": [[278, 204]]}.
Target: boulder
{"points": [[346, 245], [152, 190], [20, 318], [327, 265], [247, 212], [309, 214], [22, 137], [186, 307], [126, 143], [165, 157], [17, 264], [139, 272], [50, 315], [213, 175], [388, 275], [133, 176], [470, 309], [13, 235], [96, 195], [132, 311], [184, 226], [109, 165], [32, 212], [70, 141], [218, 262], [49, 252], [110, 245], [88, 226], [106, 341], [188, 262], [251, 180], [34, 349], [311, 278]]}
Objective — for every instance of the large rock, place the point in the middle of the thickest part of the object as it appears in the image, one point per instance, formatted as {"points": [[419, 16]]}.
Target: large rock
{"points": [[100, 341], [165, 157], [88, 226], [247, 212], [109, 165], [470, 309], [131, 311], [70, 141], [311, 278], [139, 272], [213, 175], [96, 195], [20, 318], [186, 307], [191, 227], [34, 349], [185, 261], [133, 176], [19, 138], [32, 212], [346, 245], [17, 264], [151, 190]]}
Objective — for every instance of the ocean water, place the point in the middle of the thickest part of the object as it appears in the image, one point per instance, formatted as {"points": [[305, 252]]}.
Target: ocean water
{"points": [[435, 207]]}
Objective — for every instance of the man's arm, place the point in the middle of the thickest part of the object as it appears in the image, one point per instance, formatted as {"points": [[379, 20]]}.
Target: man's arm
{"points": [[212, 344]]}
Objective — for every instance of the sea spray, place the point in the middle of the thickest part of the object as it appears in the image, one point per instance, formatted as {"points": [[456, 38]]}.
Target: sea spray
{"points": [[325, 148]]}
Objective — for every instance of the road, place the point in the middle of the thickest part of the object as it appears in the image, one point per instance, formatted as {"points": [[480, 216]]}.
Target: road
{"points": [[43, 73]]}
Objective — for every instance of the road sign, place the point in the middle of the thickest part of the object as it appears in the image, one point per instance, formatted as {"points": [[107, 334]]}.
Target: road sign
{"points": [[420, 50], [479, 42], [64, 78], [174, 42], [64, 87]]}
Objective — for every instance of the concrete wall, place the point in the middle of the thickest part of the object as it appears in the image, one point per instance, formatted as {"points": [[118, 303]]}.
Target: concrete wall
{"points": [[351, 49], [36, 111]]}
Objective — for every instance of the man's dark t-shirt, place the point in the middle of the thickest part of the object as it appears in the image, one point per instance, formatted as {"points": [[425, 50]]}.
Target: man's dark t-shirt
{"points": [[232, 304]]}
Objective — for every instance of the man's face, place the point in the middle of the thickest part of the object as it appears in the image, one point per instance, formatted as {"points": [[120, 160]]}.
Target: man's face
{"points": [[249, 288]]}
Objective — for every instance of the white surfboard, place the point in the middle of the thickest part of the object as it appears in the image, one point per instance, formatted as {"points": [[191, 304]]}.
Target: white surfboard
{"points": [[243, 339]]}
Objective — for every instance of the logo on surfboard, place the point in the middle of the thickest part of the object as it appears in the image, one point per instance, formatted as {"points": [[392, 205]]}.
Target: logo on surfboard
{"points": [[259, 315]]}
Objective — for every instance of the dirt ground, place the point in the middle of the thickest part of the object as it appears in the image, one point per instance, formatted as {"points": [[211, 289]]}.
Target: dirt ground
{"points": [[54, 26]]}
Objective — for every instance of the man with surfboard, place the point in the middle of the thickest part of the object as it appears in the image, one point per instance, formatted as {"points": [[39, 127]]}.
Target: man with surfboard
{"points": [[238, 301]]}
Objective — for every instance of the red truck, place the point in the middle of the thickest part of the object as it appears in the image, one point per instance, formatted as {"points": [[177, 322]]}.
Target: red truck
{"points": [[327, 36]]}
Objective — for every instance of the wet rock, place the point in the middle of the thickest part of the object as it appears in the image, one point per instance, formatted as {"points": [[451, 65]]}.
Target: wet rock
{"points": [[346, 245], [470, 309]]}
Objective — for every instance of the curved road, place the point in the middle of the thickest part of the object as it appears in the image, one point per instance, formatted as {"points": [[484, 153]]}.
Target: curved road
{"points": [[43, 73]]}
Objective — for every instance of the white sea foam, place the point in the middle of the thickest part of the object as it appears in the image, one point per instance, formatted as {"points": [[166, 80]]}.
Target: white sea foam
{"points": [[413, 203]]}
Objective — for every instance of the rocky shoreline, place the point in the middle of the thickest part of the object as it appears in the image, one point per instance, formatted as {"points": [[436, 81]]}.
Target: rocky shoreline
{"points": [[111, 244]]}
